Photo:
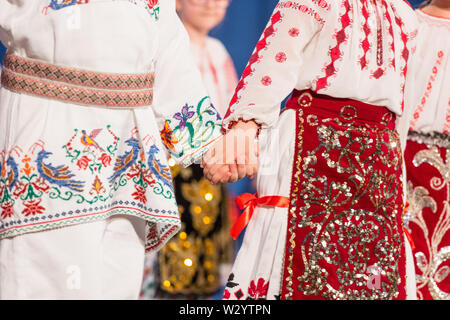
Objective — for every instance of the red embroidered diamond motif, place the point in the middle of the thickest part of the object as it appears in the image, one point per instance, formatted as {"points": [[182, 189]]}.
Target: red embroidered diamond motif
{"points": [[262, 44], [378, 73], [335, 52]]}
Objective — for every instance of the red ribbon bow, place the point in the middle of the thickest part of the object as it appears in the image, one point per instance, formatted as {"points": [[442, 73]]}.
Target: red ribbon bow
{"points": [[248, 202], [409, 237]]}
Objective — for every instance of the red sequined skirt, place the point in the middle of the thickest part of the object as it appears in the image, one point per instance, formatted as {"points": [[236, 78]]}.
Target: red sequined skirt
{"points": [[428, 216], [344, 237]]}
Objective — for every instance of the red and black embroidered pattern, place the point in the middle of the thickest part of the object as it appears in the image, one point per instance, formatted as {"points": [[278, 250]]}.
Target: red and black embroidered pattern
{"points": [[257, 289]]}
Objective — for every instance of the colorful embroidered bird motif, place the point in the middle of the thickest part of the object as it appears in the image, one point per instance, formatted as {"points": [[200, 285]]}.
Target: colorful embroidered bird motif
{"points": [[60, 175], [13, 175], [61, 4], [58, 4], [161, 172], [88, 140], [124, 162]]}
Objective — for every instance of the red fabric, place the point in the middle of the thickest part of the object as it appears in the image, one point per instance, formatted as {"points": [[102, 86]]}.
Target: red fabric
{"points": [[428, 194], [345, 202], [248, 203]]}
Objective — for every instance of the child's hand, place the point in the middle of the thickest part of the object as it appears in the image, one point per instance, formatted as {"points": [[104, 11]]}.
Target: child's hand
{"points": [[233, 157]]}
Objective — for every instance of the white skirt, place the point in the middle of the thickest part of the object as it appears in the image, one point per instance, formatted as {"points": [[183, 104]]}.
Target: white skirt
{"points": [[98, 260]]}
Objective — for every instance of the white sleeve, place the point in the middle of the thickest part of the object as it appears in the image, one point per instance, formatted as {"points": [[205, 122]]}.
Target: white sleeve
{"points": [[273, 70], [188, 121], [8, 12]]}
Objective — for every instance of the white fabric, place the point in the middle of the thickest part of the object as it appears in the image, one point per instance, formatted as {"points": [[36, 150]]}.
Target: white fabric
{"points": [[113, 36], [429, 97], [411, 288], [299, 52], [134, 43], [99, 260], [262, 251]]}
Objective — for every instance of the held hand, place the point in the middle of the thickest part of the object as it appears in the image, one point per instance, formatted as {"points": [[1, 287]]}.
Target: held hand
{"points": [[235, 156], [216, 171]]}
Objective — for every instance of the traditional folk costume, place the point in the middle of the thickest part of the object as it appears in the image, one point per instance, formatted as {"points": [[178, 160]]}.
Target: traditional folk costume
{"points": [[93, 92], [426, 157], [331, 227], [191, 264]]}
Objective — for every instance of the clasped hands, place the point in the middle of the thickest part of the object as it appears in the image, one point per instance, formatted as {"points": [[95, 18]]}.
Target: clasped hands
{"points": [[234, 156]]}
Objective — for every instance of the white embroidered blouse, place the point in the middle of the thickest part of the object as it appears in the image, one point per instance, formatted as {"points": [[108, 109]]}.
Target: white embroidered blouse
{"points": [[429, 97], [356, 49], [123, 169]]}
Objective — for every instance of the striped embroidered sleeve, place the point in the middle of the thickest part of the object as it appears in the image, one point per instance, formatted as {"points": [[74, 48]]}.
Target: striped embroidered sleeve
{"points": [[189, 123], [274, 67]]}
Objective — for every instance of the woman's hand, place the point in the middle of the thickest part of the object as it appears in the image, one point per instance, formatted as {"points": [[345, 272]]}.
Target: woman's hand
{"points": [[235, 156]]}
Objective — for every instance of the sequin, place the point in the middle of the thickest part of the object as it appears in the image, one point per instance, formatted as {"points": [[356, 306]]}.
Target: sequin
{"points": [[428, 217], [346, 217]]}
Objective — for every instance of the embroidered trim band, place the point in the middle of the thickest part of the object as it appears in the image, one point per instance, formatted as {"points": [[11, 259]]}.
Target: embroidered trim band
{"points": [[431, 138], [76, 85]]}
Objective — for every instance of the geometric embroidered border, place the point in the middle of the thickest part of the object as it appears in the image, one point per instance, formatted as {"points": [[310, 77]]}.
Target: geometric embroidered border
{"points": [[78, 77], [172, 224], [79, 95]]}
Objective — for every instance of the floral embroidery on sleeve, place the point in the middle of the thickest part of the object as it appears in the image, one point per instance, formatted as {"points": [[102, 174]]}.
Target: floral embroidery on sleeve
{"points": [[151, 6], [194, 129], [278, 49], [167, 136]]}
